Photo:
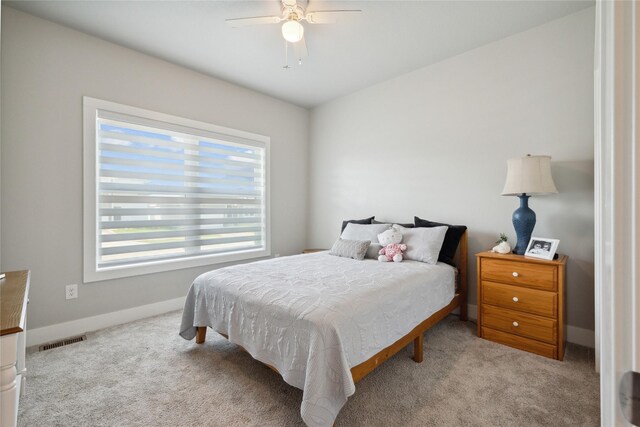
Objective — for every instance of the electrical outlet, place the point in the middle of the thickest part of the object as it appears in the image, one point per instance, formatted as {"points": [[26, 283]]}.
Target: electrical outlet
{"points": [[71, 291]]}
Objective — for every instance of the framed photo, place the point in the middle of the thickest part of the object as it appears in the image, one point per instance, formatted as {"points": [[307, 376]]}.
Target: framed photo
{"points": [[541, 247]]}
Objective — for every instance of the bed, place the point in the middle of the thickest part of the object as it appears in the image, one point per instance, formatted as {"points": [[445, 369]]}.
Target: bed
{"points": [[324, 322]]}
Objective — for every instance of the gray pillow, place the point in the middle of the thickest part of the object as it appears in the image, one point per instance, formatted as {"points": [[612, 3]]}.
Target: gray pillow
{"points": [[372, 252], [355, 249], [366, 232]]}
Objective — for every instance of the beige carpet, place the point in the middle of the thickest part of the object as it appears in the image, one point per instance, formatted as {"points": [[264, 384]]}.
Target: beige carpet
{"points": [[144, 374]]}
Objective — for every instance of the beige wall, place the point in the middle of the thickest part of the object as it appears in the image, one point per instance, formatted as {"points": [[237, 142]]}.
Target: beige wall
{"points": [[46, 69], [434, 143]]}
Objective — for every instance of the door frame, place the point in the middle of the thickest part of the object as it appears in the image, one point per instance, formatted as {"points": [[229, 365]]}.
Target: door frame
{"points": [[617, 207]]}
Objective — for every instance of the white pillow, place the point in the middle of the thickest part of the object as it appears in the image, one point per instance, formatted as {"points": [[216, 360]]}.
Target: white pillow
{"points": [[365, 232], [423, 243]]}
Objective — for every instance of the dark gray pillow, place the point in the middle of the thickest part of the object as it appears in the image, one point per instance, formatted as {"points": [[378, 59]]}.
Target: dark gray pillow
{"points": [[355, 249], [355, 221], [408, 225]]}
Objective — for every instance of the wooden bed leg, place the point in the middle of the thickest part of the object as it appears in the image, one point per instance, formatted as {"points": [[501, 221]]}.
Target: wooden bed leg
{"points": [[201, 333], [417, 348], [463, 310]]}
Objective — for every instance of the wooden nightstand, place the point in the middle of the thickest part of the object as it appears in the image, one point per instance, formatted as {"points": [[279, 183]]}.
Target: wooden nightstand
{"points": [[521, 302]]}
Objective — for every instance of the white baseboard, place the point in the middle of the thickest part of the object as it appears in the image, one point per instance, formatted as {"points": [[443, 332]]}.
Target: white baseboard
{"points": [[584, 337], [77, 327], [580, 336]]}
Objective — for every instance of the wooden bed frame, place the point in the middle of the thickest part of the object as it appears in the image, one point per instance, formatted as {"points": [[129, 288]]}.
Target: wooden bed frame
{"points": [[417, 334]]}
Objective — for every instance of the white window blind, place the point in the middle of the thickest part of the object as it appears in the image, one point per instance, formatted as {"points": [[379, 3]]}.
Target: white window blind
{"points": [[170, 192]]}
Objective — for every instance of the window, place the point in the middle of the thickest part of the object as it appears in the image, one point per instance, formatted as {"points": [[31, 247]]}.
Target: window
{"points": [[164, 192]]}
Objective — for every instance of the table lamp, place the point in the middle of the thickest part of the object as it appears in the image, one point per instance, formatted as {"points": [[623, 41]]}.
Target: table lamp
{"points": [[527, 176]]}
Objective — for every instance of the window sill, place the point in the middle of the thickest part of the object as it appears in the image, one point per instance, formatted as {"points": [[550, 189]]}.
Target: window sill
{"points": [[97, 275]]}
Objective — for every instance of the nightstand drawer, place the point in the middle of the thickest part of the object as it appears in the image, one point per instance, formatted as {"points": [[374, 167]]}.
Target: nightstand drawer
{"points": [[516, 298], [521, 343], [514, 322], [528, 274]]}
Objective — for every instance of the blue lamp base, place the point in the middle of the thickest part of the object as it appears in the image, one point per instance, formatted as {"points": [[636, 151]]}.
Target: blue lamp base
{"points": [[524, 219]]}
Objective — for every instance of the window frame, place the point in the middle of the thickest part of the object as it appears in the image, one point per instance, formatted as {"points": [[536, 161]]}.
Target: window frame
{"points": [[91, 272]]}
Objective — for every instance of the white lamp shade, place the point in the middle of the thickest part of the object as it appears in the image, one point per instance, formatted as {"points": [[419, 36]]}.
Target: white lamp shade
{"points": [[292, 31], [530, 175]]}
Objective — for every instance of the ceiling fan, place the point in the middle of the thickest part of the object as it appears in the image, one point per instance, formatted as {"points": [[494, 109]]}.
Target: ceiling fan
{"points": [[292, 30]]}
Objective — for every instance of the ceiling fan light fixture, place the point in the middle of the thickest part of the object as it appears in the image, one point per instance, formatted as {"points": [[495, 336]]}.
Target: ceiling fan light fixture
{"points": [[292, 31]]}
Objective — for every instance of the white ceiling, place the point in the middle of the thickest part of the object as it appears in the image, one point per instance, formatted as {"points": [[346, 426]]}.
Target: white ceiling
{"points": [[387, 39]]}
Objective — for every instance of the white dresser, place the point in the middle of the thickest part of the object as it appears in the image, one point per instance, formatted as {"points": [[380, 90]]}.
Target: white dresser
{"points": [[14, 295]]}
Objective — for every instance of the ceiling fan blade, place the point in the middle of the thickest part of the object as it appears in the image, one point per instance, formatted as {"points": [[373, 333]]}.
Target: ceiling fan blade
{"points": [[300, 49], [255, 20], [329, 16]]}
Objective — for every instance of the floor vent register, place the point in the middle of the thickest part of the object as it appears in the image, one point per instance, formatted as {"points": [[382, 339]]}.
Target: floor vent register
{"points": [[63, 342]]}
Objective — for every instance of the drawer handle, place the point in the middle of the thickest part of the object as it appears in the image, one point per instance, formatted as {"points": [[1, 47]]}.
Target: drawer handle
{"points": [[515, 299], [515, 324], [515, 274]]}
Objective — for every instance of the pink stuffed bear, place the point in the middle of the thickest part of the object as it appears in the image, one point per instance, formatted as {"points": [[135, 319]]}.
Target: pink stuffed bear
{"points": [[391, 250]]}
